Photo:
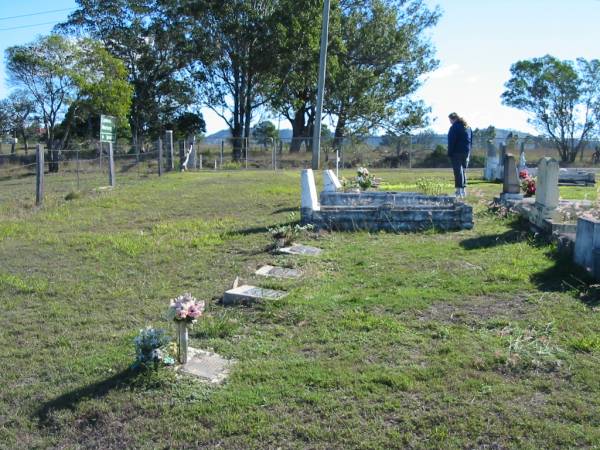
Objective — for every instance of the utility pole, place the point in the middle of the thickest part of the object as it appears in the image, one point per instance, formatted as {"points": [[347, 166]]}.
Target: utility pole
{"points": [[316, 147]]}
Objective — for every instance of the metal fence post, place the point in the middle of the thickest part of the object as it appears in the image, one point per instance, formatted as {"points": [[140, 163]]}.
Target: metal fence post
{"points": [[222, 150], [410, 152], [77, 166], [170, 160], [160, 157], [39, 175], [181, 154], [111, 165]]}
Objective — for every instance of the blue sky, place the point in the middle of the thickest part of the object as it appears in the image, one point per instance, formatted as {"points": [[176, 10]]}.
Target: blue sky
{"points": [[476, 43]]}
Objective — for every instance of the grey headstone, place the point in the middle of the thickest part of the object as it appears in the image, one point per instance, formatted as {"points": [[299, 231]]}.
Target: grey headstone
{"points": [[278, 272], [207, 366], [511, 176], [301, 250], [249, 294]]}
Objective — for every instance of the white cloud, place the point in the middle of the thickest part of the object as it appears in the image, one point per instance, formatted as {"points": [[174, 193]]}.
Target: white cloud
{"points": [[445, 72]]}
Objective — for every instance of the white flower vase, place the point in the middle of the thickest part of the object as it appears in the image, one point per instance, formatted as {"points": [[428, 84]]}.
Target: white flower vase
{"points": [[182, 341]]}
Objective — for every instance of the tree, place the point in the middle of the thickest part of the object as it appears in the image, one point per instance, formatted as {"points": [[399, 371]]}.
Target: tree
{"points": [[291, 86], [60, 73], [17, 110], [561, 96], [379, 66], [230, 47], [482, 136], [265, 132], [188, 124], [152, 47]]}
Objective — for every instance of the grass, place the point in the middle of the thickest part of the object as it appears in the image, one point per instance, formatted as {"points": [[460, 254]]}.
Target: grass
{"points": [[482, 338]]}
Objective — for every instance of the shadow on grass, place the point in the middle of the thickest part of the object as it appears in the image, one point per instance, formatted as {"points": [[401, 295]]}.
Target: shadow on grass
{"points": [[249, 231], [70, 400], [16, 177], [566, 276], [288, 210], [494, 240]]}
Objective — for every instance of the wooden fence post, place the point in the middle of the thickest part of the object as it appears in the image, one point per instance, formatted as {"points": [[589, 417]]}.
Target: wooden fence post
{"points": [[39, 175]]}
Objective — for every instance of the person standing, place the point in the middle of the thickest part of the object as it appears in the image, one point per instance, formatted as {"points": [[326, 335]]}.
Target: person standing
{"points": [[460, 139]]}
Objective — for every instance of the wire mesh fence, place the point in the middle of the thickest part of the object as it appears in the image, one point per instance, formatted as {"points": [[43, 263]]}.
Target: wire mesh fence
{"points": [[84, 168]]}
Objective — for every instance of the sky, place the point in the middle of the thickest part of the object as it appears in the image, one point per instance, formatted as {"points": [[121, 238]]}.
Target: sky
{"points": [[476, 42]]}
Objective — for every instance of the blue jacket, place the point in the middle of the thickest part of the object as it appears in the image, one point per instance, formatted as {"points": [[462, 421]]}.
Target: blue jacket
{"points": [[460, 139]]}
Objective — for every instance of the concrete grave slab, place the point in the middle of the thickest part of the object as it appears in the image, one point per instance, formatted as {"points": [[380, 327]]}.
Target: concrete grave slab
{"points": [[207, 366], [278, 272], [298, 249], [247, 294]]}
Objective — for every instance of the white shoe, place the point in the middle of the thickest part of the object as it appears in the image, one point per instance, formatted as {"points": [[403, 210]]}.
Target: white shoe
{"points": [[457, 193], [463, 193]]}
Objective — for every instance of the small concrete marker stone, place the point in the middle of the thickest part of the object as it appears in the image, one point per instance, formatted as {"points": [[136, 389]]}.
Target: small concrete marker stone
{"points": [[207, 366], [278, 272], [301, 250], [247, 294]]}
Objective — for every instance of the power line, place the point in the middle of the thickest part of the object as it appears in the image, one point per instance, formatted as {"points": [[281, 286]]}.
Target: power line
{"points": [[37, 13], [28, 26]]}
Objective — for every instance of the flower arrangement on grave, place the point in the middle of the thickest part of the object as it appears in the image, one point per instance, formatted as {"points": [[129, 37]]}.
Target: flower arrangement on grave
{"points": [[185, 309], [363, 181], [285, 234], [150, 350], [527, 183]]}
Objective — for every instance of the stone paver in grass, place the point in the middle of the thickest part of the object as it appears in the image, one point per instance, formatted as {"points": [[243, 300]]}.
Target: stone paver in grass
{"points": [[207, 366], [247, 294], [298, 249], [278, 272]]}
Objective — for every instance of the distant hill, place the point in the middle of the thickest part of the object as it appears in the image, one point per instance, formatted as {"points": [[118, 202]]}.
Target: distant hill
{"points": [[372, 141], [226, 134]]}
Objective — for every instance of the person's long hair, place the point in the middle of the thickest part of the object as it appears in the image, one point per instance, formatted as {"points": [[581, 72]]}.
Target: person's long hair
{"points": [[454, 116]]}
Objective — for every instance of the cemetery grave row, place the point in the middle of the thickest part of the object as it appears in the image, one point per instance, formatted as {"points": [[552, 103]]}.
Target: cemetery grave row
{"points": [[573, 223]]}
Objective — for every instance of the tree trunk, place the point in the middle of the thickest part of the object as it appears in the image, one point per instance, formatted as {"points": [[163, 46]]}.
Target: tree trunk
{"points": [[340, 131], [25, 143], [299, 129]]}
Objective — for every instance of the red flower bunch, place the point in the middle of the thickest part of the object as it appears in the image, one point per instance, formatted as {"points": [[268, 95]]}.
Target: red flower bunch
{"points": [[528, 185], [523, 174]]}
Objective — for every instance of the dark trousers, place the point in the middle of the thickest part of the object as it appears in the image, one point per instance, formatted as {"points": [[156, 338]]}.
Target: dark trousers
{"points": [[459, 166]]}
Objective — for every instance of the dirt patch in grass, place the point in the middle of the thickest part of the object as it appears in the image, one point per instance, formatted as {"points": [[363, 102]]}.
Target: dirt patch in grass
{"points": [[479, 309]]}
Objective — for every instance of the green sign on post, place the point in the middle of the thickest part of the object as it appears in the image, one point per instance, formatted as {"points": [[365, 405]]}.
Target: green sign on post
{"points": [[108, 129]]}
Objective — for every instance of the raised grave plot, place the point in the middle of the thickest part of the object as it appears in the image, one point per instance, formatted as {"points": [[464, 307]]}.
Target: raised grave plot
{"points": [[388, 211]]}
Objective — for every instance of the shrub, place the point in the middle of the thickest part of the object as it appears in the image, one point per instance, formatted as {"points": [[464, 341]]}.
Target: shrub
{"points": [[429, 186], [286, 233], [150, 346]]}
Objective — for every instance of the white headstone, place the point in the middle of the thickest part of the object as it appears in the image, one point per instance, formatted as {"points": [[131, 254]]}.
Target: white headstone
{"points": [[309, 198], [522, 160], [491, 162], [331, 183], [546, 194]]}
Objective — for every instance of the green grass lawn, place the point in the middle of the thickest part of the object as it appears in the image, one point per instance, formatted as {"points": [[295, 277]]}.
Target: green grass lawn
{"points": [[472, 339]]}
